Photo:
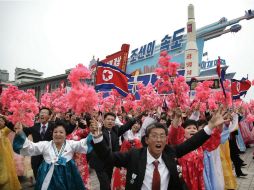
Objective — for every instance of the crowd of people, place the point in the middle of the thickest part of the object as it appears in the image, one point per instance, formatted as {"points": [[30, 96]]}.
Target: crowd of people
{"points": [[163, 140], [166, 149]]}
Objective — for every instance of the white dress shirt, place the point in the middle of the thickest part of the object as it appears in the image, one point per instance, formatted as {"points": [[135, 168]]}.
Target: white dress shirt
{"points": [[46, 127], [163, 170]]}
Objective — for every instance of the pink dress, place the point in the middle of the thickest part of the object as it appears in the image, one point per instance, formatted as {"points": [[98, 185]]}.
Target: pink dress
{"points": [[193, 162], [80, 159], [247, 132]]}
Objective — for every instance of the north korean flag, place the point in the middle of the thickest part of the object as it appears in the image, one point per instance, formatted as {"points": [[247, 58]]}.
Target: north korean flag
{"points": [[109, 77], [239, 87]]}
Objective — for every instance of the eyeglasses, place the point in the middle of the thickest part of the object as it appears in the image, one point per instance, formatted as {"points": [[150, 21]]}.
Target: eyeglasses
{"points": [[157, 137]]}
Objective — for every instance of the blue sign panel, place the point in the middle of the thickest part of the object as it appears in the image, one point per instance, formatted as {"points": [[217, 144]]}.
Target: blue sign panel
{"points": [[168, 43], [210, 64]]}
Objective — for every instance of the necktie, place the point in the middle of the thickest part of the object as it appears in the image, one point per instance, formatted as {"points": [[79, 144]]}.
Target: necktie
{"points": [[156, 176], [43, 131], [109, 137]]}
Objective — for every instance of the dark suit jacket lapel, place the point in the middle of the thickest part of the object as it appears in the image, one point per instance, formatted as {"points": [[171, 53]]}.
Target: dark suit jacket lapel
{"points": [[105, 135], [37, 127], [170, 162], [49, 130], [142, 166]]}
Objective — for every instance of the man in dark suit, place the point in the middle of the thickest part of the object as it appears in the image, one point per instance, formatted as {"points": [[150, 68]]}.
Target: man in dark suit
{"points": [[153, 167], [41, 131], [111, 134]]}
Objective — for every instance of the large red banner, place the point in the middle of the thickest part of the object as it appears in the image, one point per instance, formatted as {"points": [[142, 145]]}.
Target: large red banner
{"points": [[118, 59]]}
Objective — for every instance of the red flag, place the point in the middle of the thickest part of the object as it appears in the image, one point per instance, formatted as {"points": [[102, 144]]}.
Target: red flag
{"points": [[239, 87], [110, 77]]}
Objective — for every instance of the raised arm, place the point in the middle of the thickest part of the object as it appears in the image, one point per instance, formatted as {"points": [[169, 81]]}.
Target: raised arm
{"points": [[103, 151], [126, 126], [213, 142], [82, 146], [176, 132], [22, 145]]}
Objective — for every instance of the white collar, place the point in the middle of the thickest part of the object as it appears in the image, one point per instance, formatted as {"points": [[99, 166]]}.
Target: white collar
{"points": [[45, 125], [151, 159]]}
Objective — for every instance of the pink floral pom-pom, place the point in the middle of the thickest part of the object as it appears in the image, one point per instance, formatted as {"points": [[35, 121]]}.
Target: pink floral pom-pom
{"points": [[111, 102], [212, 104], [9, 95], [46, 101], [83, 99], [173, 68], [245, 108], [202, 107], [159, 71], [238, 103], [24, 108], [60, 105], [99, 106], [251, 106], [149, 99], [204, 94], [80, 72], [181, 93], [59, 101], [162, 86], [129, 103], [252, 82], [164, 53]]}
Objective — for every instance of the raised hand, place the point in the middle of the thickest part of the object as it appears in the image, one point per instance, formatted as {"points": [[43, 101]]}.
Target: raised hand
{"points": [[219, 117], [95, 128], [18, 128], [177, 117]]}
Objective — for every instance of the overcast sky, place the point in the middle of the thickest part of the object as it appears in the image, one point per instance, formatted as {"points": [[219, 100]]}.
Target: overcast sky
{"points": [[52, 36]]}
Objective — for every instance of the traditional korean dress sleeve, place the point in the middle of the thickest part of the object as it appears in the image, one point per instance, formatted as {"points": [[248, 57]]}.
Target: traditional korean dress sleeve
{"points": [[193, 162], [176, 135], [240, 142], [225, 134], [213, 142], [58, 171]]}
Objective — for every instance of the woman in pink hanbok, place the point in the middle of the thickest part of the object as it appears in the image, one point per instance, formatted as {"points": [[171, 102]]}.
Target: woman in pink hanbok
{"points": [[192, 163]]}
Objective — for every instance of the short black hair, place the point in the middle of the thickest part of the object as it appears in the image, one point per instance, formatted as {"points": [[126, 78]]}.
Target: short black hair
{"points": [[156, 125], [45, 108], [139, 121], [109, 113], [189, 122], [60, 123]]}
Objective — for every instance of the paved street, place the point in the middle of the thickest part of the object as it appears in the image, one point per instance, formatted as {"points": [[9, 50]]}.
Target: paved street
{"points": [[246, 183]]}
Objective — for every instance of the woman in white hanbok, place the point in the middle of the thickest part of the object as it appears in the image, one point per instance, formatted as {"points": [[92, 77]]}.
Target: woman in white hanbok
{"points": [[58, 171]]}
